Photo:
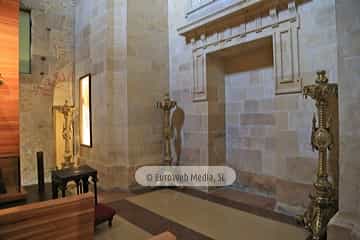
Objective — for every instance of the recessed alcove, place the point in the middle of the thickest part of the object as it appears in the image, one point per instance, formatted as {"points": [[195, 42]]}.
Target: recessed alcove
{"points": [[248, 56], [240, 84]]}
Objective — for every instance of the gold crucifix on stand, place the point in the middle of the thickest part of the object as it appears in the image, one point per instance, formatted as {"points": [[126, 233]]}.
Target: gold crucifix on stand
{"points": [[67, 134], [324, 200]]}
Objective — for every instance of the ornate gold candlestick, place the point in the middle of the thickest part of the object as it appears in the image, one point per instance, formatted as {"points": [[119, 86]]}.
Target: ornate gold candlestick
{"points": [[167, 105], [324, 200], [67, 134]]}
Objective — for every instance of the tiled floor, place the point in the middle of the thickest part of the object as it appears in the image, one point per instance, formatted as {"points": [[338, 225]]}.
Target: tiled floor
{"points": [[113, 196], [246, 198], [190, 214], [194, 215], [121, 229]]}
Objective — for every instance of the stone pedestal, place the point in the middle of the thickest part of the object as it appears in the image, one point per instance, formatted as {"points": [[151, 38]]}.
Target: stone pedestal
{"points": [[344, 226]]}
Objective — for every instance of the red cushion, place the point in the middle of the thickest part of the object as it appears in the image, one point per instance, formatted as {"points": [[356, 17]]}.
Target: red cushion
{"points": [[103, 212]]}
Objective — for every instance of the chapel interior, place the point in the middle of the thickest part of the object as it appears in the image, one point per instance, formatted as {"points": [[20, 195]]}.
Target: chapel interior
{"points": [[108, 106]]}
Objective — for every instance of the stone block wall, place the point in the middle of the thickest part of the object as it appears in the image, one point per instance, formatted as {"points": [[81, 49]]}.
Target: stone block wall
{"points": [[216, 109], [181, 74], [346, 224], [265, 140], [100, 51], [124, 45], [50, 81], [267, 136], [348, 30], [147, 79]]}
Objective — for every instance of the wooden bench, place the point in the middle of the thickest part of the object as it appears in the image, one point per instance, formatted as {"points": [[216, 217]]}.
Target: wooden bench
{"points": [[70, 218]]}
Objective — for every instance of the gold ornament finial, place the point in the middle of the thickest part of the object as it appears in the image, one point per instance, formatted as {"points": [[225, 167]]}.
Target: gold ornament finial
{"points": [[321, 77], [324, 201]]}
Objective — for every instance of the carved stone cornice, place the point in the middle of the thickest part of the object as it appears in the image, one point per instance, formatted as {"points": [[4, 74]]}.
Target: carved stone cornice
{"points": [[193, 6], [280, 23], [234, 14]]}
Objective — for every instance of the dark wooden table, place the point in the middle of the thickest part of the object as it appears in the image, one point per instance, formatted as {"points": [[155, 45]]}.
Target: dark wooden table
{"points": [[80, 175]]}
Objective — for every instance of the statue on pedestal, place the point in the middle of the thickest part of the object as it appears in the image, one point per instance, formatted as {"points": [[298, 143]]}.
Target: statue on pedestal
{"points": [[67, 111], [167, 105]]}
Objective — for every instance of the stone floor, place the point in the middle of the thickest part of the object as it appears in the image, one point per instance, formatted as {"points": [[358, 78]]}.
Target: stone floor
{"points": [[247, 198], [113, 196], [224, 193], [189, 214], [121, 229], [194, 215]]}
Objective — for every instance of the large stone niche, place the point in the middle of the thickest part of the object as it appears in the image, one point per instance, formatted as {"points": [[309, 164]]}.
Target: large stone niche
{"points": [[221, 33], [236, 126], [239, 78]]}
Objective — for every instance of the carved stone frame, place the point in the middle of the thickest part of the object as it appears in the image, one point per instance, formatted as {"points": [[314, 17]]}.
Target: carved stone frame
{"points": [[284, 30], [191, 8]]}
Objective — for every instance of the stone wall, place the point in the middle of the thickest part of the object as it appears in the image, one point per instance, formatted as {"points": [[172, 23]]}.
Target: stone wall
{"points": [[147, 79], [348, 29], [181, 73], [124, 45], [346, 224], [50, 81], [98, 52], [268, 136]]}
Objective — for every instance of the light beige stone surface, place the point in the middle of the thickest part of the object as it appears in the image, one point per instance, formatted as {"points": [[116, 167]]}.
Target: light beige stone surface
{"points": [[266, 134], [124, 45], [346, 224], [97, 54], [50, 82], [214, 220], [135, 55], [120, 229]]}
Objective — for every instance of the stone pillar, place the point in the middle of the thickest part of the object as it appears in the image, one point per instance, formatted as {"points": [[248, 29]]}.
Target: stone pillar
{"points": [[216, 110], [345, 224]]}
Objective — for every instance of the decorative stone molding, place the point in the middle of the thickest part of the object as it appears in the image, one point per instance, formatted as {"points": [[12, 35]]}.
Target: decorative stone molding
{"points": [[207, 14], [200, 83], [194, 5], [253, 25], [286, 59]]}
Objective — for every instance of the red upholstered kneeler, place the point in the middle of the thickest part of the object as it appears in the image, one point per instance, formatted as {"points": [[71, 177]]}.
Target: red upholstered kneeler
{"points": [[104, 213]]}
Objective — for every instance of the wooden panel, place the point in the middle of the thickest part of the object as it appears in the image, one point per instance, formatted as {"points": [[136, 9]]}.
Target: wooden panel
{"points": [[9, 68], [68, 218]]}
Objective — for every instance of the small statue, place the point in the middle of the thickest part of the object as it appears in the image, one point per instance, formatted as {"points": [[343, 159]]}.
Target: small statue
{"points": [[177, 123], [67, 133], [167, 105]]}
